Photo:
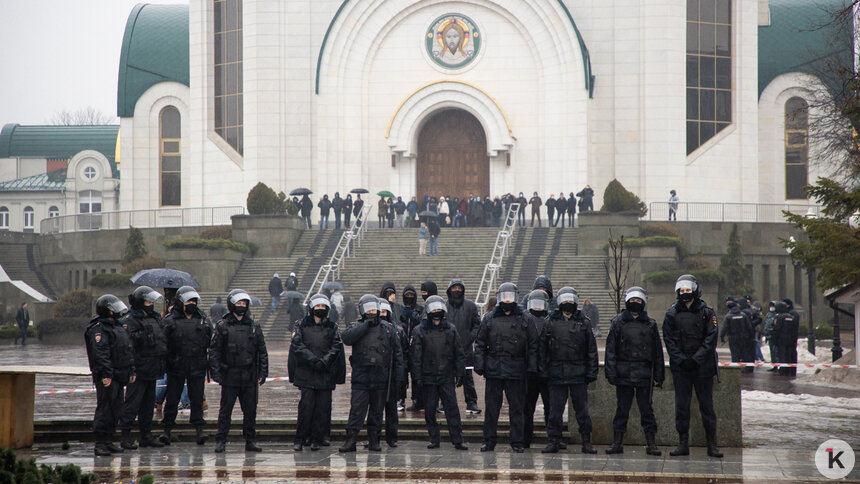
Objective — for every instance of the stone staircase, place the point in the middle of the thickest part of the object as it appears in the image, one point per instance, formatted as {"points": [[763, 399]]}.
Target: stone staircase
{"points": [[19, 262]]}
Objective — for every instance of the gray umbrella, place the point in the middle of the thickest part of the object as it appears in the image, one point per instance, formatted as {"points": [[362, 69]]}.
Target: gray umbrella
{"points": [[255, 301], [359, 190], [333, 286], [292, 295], [301, 191], [428, 213], [167, 278]]}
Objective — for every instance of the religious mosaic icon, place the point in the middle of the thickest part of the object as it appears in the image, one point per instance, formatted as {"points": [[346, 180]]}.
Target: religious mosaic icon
{"points": [[453, 41]]}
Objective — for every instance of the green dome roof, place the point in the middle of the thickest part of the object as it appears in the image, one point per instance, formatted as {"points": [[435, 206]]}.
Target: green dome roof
{"points": [[802, 37], [154, 49]]}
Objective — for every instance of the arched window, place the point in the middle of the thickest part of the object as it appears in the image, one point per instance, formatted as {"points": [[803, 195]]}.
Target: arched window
{"points": [[53, 211], [796, 148], [228, 72], [709, 70], [171, 157], [29, 218], [89, 201], [4, 218]]}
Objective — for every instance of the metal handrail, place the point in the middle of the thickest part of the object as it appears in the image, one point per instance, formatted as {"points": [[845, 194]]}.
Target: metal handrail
{"points": [[491, 269], [151, 218], [729, 212], [341, 252]]}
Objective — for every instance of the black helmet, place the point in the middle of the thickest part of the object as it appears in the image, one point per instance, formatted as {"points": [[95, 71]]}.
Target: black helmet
{"points": [[384, 306], [235, 296], [507, 287], [435, 303], [537, 300], [141, 295], [636, 291], [368, 302], [688, 281], [318, 299], [187, 293], [109, 306], [567, 294]]}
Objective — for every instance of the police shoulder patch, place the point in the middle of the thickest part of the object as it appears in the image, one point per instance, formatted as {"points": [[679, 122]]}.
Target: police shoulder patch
{"points": [[97, 337], [714, 320]]}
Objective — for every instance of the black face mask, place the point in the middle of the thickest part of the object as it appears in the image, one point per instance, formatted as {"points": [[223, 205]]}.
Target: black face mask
{"points": [[457, 295], [508, 306], [686, 297], [538, 314], [409, 300], [190, 308], [321, 313], [568, 308], [425, 296], [437, 315], [635, 307], [240, 310]]}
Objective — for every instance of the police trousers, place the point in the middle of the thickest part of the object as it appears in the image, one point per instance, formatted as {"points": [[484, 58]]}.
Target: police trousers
{"points": [[704, 387], [139, 402], [247, 396], [314, 419], [558, 395], [624, 396], [360, 401], [447, 392], [392, 419], [535, 387], [515, 391], [108, 409], [469, 392], [175, 384]]}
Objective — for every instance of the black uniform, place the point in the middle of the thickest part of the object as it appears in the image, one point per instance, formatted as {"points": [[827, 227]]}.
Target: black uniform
{"points": [[111, 355], [188, 341], [690, 335], [785, 328], [505, 351], [150, 348], [537, 385], [463, 314], [544, 283], [568, 355], [397, 387], [376, 354], [238, 360], [634, 363], [738, 327], [316, 364], [438, 358]]}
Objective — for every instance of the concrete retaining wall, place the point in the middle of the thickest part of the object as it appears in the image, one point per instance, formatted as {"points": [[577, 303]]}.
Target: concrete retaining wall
{"points": [[275, 235]]}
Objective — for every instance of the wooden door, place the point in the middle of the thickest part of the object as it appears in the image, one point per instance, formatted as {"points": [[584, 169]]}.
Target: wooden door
{"points": [[452, 156]]}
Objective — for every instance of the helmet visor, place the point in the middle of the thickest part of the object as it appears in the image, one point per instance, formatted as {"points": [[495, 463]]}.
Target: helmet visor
{"points": [[369, 306], [189, 295], [685, 285], [436, 306], [567, 297], [507, 296], [152, 296], [118, 307], [384, 306], [238, 297], [537, 304]]}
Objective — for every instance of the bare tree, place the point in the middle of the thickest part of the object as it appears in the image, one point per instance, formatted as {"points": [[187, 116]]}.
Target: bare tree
{"points": [[88, 116], [617, 266]]}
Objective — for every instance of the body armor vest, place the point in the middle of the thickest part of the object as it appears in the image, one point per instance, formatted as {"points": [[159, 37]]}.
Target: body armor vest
{"points": [[241, 345], [739, 327], [508, 336], [154, 343], [566, 342], [690, 331], [437, 356], [787, 328], [317, 338], [122, 350], [191, 338], [374, 349], [635, 342]]}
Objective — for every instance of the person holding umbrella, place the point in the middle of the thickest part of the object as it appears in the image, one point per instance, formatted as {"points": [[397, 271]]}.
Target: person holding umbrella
{"points": [[306, 206], [356, 208], [381, 211]]}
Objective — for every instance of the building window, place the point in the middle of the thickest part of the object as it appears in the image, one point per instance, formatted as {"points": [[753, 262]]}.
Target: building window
{"points": [[90, 173], [170, 152], [89, 201], [796, 148], [709, 70], [228, 72], [53, 211], [29, 218], [4, 218]]}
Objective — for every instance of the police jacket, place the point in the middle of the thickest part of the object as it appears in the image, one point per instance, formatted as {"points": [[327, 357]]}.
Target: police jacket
{"points": [[691, 334], [507, 345], [109, 350], [785, 327], [314, 342], [437, 355], [188, 340], [737, 326], [376, 357], [464, 317], [237, 354], [150, 346], [634, 352], [568, 351]]}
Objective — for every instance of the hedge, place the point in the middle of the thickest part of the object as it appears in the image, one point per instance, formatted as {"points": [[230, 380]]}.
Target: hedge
{"points": [[111, 280], [659, 228], [74, 304], [210, 244], [138, 265], [10, 331], [654, 241], [62, 325], [669, 276]]}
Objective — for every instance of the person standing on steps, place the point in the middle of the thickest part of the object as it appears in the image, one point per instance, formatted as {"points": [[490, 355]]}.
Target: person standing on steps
{"points": [[537, 385], [410, 317], [434, 231], [337, 209], [571, 210], [535, 202], [347, 210], [399, 210], [560, 208], [463, 314], [634, 365], [381, 212], [325, 207], [356, 208], [550, 210], [306, 206], [586, 199], [423, 237], [690, 335], [521, 211]]}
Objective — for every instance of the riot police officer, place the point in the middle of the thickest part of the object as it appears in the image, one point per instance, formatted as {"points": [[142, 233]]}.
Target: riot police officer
{"points": [[738, 327], [316, 364], [239, 362], [690, 334], [634, 365], [463, 314], [150, 348], [396, 388], [505, 351], [188, 334], [376, 355], [111, 357], [439, 360], [568, 355], [410, 317], [537, 304], [785, 327]]}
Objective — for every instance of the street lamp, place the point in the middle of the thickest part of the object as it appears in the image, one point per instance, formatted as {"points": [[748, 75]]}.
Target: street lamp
{"points": [[810, 273]]}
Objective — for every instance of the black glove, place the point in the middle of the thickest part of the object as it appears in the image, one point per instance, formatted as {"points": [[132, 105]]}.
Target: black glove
{"points": [[689, 364], [479, 371], [590, 379], [262, 381], [458, 381], [373, 321], [319, 364]]}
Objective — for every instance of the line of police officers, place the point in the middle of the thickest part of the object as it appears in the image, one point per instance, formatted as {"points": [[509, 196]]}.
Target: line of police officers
{"points": [[543, 347]]}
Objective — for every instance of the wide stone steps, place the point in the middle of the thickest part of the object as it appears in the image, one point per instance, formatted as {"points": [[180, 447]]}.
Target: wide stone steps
{"points": [[18, 261]]}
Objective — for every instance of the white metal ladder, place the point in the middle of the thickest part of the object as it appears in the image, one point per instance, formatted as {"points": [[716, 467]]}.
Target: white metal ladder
{"points": [[344, 249], [491, 270]]}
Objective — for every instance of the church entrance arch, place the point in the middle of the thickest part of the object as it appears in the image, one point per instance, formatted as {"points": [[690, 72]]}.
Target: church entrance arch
{"points": [[452, 156]]}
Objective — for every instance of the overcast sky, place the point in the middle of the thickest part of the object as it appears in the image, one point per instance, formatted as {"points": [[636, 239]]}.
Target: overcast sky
{"points": [[60, 54]]}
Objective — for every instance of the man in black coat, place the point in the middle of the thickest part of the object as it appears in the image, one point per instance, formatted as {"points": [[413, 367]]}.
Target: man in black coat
{"points": [[739, 329], [634, 365], [560, 208], [505, 351], [396, 388], [690, 335], [542, 283], [568, 356], [150, 349], [22, 317], [586, 199], [550, 210], [325, 207], [111, 357], [376, 356], [275, 290], [239, 362], [439, 360], [463, 314], [316, 364], [188, 334], [571, 209], [305, 208], [337, 208], [537, 385], [785, 328], [410, 318]]}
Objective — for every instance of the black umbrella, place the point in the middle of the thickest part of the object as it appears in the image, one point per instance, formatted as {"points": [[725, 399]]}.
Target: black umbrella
{"points": [[301, 191], [428, 213], [332, 286], [255, 301], [292, 295], [359, 190], [167, 278]]}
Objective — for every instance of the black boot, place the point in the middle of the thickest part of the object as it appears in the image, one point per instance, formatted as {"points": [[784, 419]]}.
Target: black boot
{"points": [[617, 446], [551, 448], [297, 445], [201, 436], [373, 441], [650, 445], [101, 449], [349, 445], [220, 446], [164, 438], [147, 440], [713, 451], [586, 444], [113, 448], [127, 442], [251, 446], [683, 445]]}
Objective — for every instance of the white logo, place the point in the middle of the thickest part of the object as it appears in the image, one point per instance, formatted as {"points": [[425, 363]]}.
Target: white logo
{"points": [[834, 459]]}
